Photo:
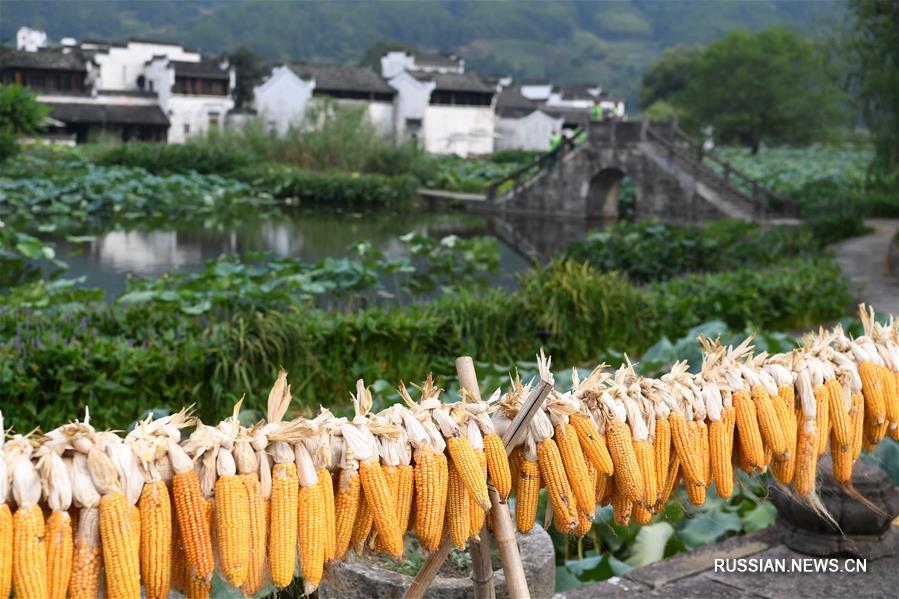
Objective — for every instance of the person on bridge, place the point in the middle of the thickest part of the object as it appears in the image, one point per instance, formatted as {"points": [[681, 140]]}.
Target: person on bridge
{"points": [[596, 111], [554, 140]]}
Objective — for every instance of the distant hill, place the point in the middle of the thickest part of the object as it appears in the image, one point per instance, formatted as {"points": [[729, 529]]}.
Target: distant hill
{"points": [[569, 41]]}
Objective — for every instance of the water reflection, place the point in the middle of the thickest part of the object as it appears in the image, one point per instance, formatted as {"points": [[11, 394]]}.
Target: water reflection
{"points": [[308, 234]]}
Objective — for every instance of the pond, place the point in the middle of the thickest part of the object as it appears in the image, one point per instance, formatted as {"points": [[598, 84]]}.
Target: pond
{"points": [[310, 234]]}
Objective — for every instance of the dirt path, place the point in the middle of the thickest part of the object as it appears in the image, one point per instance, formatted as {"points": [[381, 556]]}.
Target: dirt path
{"points": [[865, 261]]}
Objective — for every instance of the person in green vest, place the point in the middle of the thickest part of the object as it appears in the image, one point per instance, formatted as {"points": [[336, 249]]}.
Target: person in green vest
{"points": [[595, 111], [555, 139]]}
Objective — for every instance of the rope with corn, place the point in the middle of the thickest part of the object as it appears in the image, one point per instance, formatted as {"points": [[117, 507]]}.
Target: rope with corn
{"points": [[83, 510]]}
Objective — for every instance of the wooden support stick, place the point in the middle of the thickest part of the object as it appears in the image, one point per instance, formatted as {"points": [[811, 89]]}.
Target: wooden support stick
{"points": [[516, 583], [481, 567]]}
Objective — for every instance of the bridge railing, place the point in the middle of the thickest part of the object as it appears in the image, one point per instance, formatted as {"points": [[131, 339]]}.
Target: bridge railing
{"points": [[541, 162], [677, 141]]}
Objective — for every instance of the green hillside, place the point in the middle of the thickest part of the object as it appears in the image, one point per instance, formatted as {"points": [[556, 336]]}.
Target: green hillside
{"points": [[608, 42]]}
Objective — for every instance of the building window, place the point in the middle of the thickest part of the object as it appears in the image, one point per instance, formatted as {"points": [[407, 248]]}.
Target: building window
{"points": [[150, 85], [213, 119], [186, 129]]}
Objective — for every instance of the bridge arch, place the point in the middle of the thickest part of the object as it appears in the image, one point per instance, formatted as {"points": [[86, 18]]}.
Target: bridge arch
{"points": [[603, 193]]}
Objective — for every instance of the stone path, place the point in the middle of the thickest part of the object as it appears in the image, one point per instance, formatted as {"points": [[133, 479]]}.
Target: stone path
{"points": [[693, 574], [865, 261]]}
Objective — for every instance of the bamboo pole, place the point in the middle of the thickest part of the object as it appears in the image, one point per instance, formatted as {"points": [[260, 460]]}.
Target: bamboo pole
{"points": [[516, 583], [481, 567]]}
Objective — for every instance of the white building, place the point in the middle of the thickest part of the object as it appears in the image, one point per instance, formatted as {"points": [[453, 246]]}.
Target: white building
{"points": [[439, 105], [523, 123], [142, 89], [285, 97]]}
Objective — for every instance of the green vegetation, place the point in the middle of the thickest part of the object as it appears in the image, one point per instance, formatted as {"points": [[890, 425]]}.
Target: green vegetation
{"points": [[20, 114], [787, 93], [873, 46], [64, 348], [652, 251]]}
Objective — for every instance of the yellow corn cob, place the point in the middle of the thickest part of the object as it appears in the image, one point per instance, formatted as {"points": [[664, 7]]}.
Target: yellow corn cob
{"points": [[458, 518], [592, 443], [156, 539], [6, 550], [87, 559], [729, 416], [683, 448], [431, 476], [622, 507], [806, 458], [646, 462], [257, 537], [553, 474], [783, 466], [661, 449], [120, 557], [720, 456], [476, 515], [197, 587], [527, 493], [330, 530], [671, 480], [584, 524], [585, 518], [346, 507], [872, 433], [575, 467], [628, 477], [841, 427], [363, 524], [748, 430], [392, 476], [59, 554], [405, 495], [704, 455], [769, 425], [463, 454], [179, 560], [700, 440], [190, 510], [603, 492], [382, 506], [857, 417], [134, 516], [310, 534], [515, 465], [282, 538], [232, 528], [822, 417], [29, 558], [842, 459], [740, 459], [641, 515], [498, 464], [875, 402], [891, 401]]}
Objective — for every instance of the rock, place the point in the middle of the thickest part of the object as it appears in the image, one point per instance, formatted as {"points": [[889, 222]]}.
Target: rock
{"points": [[355, 578]]}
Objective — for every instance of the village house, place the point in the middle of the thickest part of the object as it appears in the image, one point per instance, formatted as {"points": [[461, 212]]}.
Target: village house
{"points": [[523, 123], [139, 90], [285, 96]]}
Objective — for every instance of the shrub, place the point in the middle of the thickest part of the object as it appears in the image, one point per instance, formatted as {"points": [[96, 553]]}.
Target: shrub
{"points": [[206, 158], [20, 114]]}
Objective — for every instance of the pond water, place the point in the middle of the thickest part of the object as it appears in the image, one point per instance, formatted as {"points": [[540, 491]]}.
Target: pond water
{"points": [[310, 234]]}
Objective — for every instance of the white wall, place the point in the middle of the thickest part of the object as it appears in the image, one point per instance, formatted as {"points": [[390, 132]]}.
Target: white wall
{"points": [[120, 66], [412, 97], [395, 62], [30, 40], [462, 130], [162, 75], [531, 132], [194, 112], [281, 99]]}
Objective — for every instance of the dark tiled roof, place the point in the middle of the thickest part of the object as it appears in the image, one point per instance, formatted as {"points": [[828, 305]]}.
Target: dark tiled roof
{"points": [[577, 91], [436, 60], [343, 78], [113, 114], [206, 69], [468, 82], [512, 104], [571, 115], [44, 59]]}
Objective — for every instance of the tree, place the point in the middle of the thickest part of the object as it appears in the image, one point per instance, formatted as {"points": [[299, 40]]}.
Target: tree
{"points": [[20, 114], [874, 52], [372, 56], [668, 75], [251, 68], [768, 86]]}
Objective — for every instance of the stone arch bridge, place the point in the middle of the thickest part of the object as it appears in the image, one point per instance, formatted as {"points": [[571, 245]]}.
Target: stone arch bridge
{"points": [[674, 179]]}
